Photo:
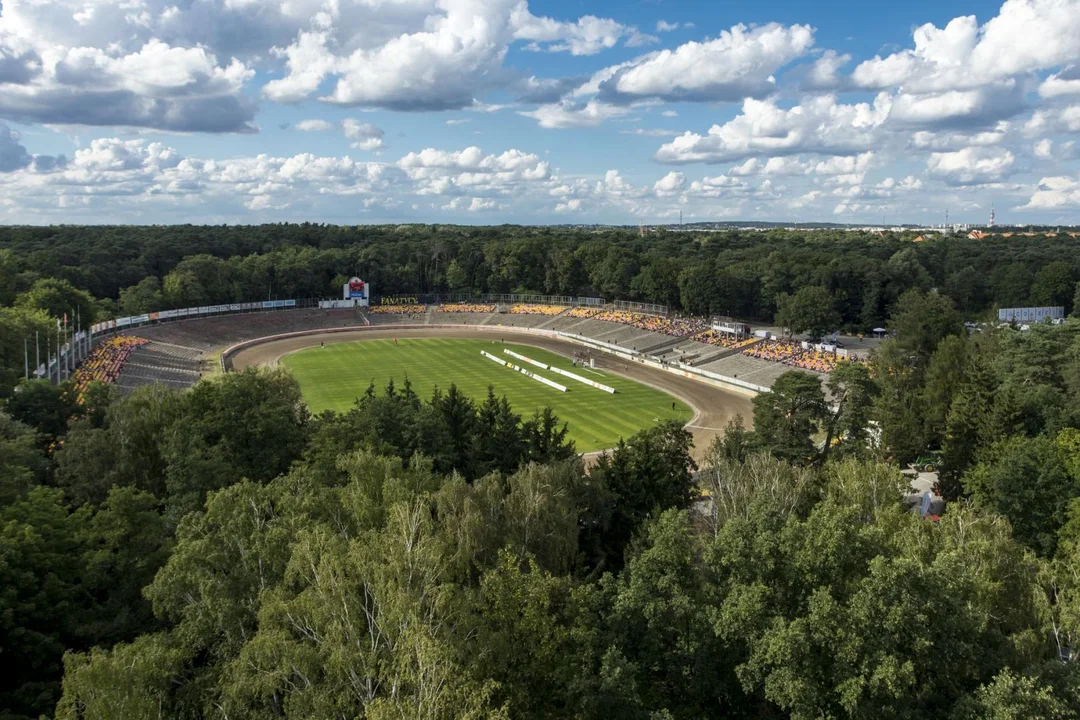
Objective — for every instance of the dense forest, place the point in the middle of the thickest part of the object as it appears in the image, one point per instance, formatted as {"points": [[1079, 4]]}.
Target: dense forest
{"points": [[221, 552], [849, 280]]}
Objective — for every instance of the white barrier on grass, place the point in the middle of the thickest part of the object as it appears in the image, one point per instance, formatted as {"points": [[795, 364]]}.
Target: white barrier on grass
{"points": [[537, 363], [587, 381], [489, 356], [534, 376]]}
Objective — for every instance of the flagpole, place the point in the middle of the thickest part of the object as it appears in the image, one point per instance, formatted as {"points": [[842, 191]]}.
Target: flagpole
{"points": [[37, 353]]}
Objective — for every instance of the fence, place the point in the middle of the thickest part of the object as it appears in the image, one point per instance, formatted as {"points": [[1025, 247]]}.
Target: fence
{"points": [[487, 299], [647, 308]]}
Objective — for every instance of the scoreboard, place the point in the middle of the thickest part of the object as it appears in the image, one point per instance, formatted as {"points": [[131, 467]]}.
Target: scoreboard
{"points": [[356, 290]]}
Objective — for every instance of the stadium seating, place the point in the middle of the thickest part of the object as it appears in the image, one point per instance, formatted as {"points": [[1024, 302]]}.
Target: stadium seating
{"points": [[397, 310], [538, 310], [793, 354], [466, 308], [105, 362], [712, 337]]}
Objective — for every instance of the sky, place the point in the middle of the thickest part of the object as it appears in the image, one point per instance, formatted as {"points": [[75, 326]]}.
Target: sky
{"points": [[539, 112]]}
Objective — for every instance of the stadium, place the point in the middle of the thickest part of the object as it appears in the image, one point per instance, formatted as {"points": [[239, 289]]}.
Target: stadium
{"points": [[658, 367], [607, 369]]}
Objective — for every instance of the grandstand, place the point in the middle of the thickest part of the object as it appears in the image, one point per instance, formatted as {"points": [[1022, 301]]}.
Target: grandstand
{"points": [[177, 353], [393, 314], [106, 362], [162, 362]]}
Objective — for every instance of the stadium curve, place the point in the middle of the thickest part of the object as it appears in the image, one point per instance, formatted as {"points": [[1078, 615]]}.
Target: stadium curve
{"points": [[713, 406]]}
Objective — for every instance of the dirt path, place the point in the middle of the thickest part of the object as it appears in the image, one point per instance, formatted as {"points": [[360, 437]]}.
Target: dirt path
{"points": [[713, 406]]}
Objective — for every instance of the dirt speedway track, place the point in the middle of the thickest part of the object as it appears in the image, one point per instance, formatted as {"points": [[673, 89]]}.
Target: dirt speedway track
{"points": [[713, 406]]}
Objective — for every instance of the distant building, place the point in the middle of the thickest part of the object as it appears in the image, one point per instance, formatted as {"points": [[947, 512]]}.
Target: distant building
{"points": [[976, 235], [1030, 315]]}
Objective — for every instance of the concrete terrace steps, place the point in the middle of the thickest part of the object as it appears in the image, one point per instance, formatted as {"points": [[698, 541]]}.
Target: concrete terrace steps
{"points": [[667, 344], [575, 326], [551, 321]]}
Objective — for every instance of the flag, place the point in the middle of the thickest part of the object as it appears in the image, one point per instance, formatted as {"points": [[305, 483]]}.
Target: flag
{"points": [[65, 320]]}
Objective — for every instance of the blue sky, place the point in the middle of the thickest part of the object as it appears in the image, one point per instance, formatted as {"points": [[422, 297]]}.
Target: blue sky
{"points": [[490, 111]]}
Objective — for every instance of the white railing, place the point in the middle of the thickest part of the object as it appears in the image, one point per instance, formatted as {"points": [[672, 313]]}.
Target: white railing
{"points": [[529, 360], [587, 381]]}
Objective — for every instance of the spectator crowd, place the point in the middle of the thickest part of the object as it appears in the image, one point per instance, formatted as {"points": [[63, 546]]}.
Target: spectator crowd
{"points": [[795, 355], [398, 309], [719, 339], [538, 310], [466, 308], [105, 362]]}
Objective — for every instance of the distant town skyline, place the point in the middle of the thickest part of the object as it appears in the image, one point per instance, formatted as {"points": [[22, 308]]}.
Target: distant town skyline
{"points": [[542, 112]]}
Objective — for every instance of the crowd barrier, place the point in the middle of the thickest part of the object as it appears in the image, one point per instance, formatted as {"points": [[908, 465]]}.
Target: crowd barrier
{"points": [[537, 363], [489, 356], [107, 326], [534, 376], [587, 381]]}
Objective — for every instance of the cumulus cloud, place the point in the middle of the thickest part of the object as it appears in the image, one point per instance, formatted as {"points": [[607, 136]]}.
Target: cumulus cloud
{"points": [[973, 165], [85, 66], [587, 36], [470, 172], [1062, 84], [451, 51], [1026, 35], [817, 125], [1055, 120], [1054, 193], [824, 73], [314, 126], [670, 184], [567, 114], [927, 140], [739, 63], [970, 74], [365, 136], [13, 155]]}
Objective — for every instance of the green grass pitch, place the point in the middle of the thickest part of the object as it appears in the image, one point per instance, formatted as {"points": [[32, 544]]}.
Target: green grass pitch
{"points": [[332, 377]]}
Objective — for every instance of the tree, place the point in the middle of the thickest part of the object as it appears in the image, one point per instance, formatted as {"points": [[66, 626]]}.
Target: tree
{"points": [[44, 407], [124, 545], [945, 376], [848, 422], [786, 418], [1027, 480], [250, 424], [1047, 695], [499, 436], [60, 298], [921, 320], [545, 440], [969, 426], [810, 309], [645, 475], [19, 325], [660, 623], [1055, 284], [966, 288], [22, 464], [144, 297], [41, 601], [1076, 301]]}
